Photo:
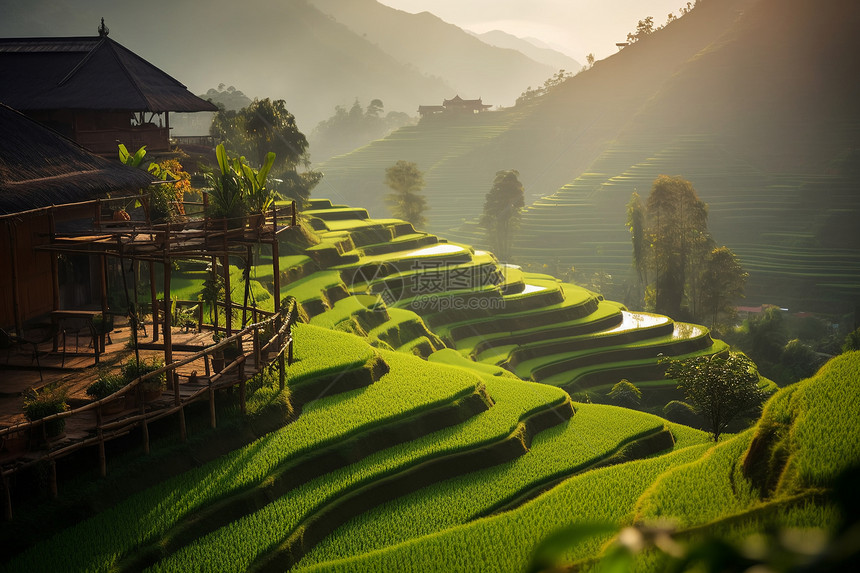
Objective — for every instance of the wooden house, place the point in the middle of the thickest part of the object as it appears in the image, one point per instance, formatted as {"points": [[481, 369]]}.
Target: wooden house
{"points": [[454, 106], [39, 169], [93, 90]]}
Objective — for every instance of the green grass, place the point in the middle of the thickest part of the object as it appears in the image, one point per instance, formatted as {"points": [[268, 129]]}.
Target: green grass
{"points": [[250, 536], [505, 542], [589, 436], [97, 543]]}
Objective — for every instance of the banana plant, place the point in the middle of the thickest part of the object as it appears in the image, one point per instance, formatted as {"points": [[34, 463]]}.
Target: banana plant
{"points": [[259, 197], [226, 197]]}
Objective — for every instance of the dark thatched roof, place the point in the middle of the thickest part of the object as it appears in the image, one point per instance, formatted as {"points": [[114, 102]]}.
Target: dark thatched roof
{"points": [[39, 168], [92, 73]]}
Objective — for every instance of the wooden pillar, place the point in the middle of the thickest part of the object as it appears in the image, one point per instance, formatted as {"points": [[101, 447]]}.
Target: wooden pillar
{"points": [[154, 295], [215, 301], [16, 296], [247, 276], [228, 300], [211, 404], [168, 337], [7, 500], [276, 274], [183, 431], [144, 427], [52, 480], [102, 456], [55, 271], [99, 345], [242, 405]]}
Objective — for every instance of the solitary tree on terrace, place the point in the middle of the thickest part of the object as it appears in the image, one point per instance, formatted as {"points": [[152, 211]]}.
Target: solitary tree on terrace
{"points": [[720, 387], [722, 282], [407, 202], [502, 208]]}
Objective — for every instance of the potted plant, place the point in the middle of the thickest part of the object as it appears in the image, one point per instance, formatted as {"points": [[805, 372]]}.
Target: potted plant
{"points": [[151, 387], [48, 400], [107, 384], [225, 196], [258, 196]]}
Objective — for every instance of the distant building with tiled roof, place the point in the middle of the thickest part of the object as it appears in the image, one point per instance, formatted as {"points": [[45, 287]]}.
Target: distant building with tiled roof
{"points": [[455, 105]]}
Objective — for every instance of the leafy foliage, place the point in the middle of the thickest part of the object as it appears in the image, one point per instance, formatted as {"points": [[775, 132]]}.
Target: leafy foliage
{"points": [[625, 394], [720, 387], [406, 203], [48, 400], [263, 127], [351, 128], [503, 205]]}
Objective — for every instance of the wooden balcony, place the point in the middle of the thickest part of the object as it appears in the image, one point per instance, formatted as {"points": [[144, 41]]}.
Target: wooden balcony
{"points": [[105, 141]]}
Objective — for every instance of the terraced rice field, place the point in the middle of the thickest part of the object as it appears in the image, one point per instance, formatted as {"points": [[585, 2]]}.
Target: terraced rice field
{"points": [[397, 463]]}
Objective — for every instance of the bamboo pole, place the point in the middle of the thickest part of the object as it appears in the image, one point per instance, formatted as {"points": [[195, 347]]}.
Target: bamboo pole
{"points": [[102, 456], [212, 421], [7, 500], [276, 274], [228, 299], [55, 271], [99, 345], [154, 298], [16, 295]]}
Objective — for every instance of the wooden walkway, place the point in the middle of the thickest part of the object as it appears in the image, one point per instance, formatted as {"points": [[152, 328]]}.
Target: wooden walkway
{"points": [[190, 378]]}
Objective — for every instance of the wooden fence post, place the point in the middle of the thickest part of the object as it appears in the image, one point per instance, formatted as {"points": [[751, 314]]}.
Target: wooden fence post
{"points": [[211, 404], [7, 500], [52, 480], [143, 426], [102, 455]]}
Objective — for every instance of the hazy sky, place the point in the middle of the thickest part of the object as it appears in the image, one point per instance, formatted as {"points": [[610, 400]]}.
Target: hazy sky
{"points": [[576, 26]]}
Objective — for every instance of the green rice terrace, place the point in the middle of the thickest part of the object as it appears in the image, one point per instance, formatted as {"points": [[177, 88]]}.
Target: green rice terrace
{"points": [[451, 413]]}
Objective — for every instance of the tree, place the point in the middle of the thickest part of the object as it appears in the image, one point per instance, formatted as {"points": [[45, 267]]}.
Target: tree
{"points": [[720, 387], [270, 127], [678, 234], [406, 203], [502, 207], [643, 28], [589, 60], [636, 226], [721, 283], [266, 126], [852, 341]]}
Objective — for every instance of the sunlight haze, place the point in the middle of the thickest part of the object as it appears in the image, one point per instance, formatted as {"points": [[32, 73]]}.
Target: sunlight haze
{"points": [[575, 27]]}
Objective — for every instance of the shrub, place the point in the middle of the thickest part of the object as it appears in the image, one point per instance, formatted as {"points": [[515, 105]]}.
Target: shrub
{"points": [[135, 368], [625, 394], [45, 402], [107, 384], [681, 413]]}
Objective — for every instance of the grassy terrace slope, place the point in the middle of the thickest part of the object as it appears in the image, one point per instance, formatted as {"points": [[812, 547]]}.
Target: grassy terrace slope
{"points": [[397, 463], [417, 293], [770, 475]]}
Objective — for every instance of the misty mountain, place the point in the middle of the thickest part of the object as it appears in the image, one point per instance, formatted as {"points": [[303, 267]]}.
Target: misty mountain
{"points": [[754, 101], [544, 55], [473, 68]]}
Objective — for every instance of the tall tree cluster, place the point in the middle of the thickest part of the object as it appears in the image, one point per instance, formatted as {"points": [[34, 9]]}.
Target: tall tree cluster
{"points": [[267, 126], [685, 274], [406, 202], [502, 209]]}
